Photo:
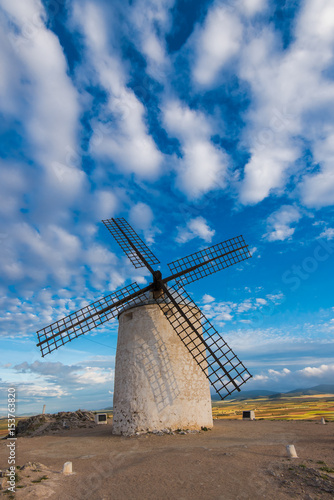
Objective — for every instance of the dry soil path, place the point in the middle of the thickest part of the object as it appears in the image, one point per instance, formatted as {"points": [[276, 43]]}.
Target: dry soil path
{"points": [[236, 460]]}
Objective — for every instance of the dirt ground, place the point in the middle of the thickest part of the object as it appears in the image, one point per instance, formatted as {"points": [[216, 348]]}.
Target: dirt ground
{"points": [[236, 460]]}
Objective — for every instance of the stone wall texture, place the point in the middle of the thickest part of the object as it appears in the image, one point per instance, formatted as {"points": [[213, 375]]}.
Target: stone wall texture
{"points": [[158, 384]]}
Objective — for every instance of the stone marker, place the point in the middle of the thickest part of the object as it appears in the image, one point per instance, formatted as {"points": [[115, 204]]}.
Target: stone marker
{"points": [[101, 418], [44, 409], [248, 415], [291, 451], [67, 468], [323, 421]]}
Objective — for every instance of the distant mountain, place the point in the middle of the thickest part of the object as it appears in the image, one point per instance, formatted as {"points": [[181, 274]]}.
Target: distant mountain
{"points": [[245, 395], [312, 391], [318, 389]]}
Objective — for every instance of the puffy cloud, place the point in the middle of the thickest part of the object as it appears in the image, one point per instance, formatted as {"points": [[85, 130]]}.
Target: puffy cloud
{"points": [[251, 7], [216, 42], [318, 189], [206, 299], [34, 390], [290, 90], [328, 233], [50, 111], [150, 20], [203, 165], [317, 371], [120, 131], [195, 228], [66, 376], [141, 216], [250, 310], [273, 375], [279, 223], [267, 170], [286, 379]]}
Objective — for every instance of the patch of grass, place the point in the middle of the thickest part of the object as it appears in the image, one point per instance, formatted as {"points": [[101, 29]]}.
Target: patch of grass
{"points": [[204, 429], [43, 478], [327, 469], [10, 493], [303, 466], [321, 462]]}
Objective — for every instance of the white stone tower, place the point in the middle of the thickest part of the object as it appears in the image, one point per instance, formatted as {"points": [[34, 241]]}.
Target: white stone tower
{"points": [[158, 384]]}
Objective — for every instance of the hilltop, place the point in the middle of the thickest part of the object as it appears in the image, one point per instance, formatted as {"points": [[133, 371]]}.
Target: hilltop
{"points": [[255, 394]]}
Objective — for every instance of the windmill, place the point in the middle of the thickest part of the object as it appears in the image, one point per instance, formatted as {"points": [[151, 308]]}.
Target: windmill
{"points": [[168, 352]]}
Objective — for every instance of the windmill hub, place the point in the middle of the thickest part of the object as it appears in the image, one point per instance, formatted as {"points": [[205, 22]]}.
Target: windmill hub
{"points": [[167, 350], [157, 285]]}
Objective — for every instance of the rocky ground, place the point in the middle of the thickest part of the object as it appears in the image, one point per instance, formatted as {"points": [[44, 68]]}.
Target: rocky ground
{"points": [[39, 425], [236, 460]]}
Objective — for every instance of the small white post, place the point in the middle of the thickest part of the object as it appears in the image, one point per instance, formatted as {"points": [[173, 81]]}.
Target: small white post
{"points": [[44, 409], [291, 451], [323, 421], [67, 468]]}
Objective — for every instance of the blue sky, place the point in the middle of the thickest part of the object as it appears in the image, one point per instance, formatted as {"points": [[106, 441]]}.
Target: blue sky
{"points": [[196, 121]]}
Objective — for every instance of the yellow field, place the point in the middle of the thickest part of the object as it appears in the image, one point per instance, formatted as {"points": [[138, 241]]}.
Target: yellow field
{"points": [[297, 408], [4, 426]]}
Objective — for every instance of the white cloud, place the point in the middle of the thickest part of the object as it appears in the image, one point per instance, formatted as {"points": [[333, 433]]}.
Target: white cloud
{"points": [[286, 379], [104, 204], [251, 7], [93, 375], [141, 216], [317, 190], [150, 20], [216, 42], [267, 170], [317, 371], [291, 99], [43, 390], [120, 132], [273, 375], [195, 228], [34, 57], [328, 233], [279, 223], [203, 165], [67, 377], [206, 299], [247, 311]]}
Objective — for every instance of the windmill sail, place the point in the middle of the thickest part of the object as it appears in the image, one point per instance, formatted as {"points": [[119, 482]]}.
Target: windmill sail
{"points": [[210, 260], [130, 243], [217, 360], [214, 356], [86, 319]]}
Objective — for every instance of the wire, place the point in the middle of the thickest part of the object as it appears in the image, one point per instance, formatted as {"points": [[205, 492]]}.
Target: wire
{"points": [[105, 345]]}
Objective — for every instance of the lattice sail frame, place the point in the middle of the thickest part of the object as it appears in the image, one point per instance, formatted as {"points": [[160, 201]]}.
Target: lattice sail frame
{"points": [[114, 226], [82, 321], [216, 359], [226, 254], [214, 356]]}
